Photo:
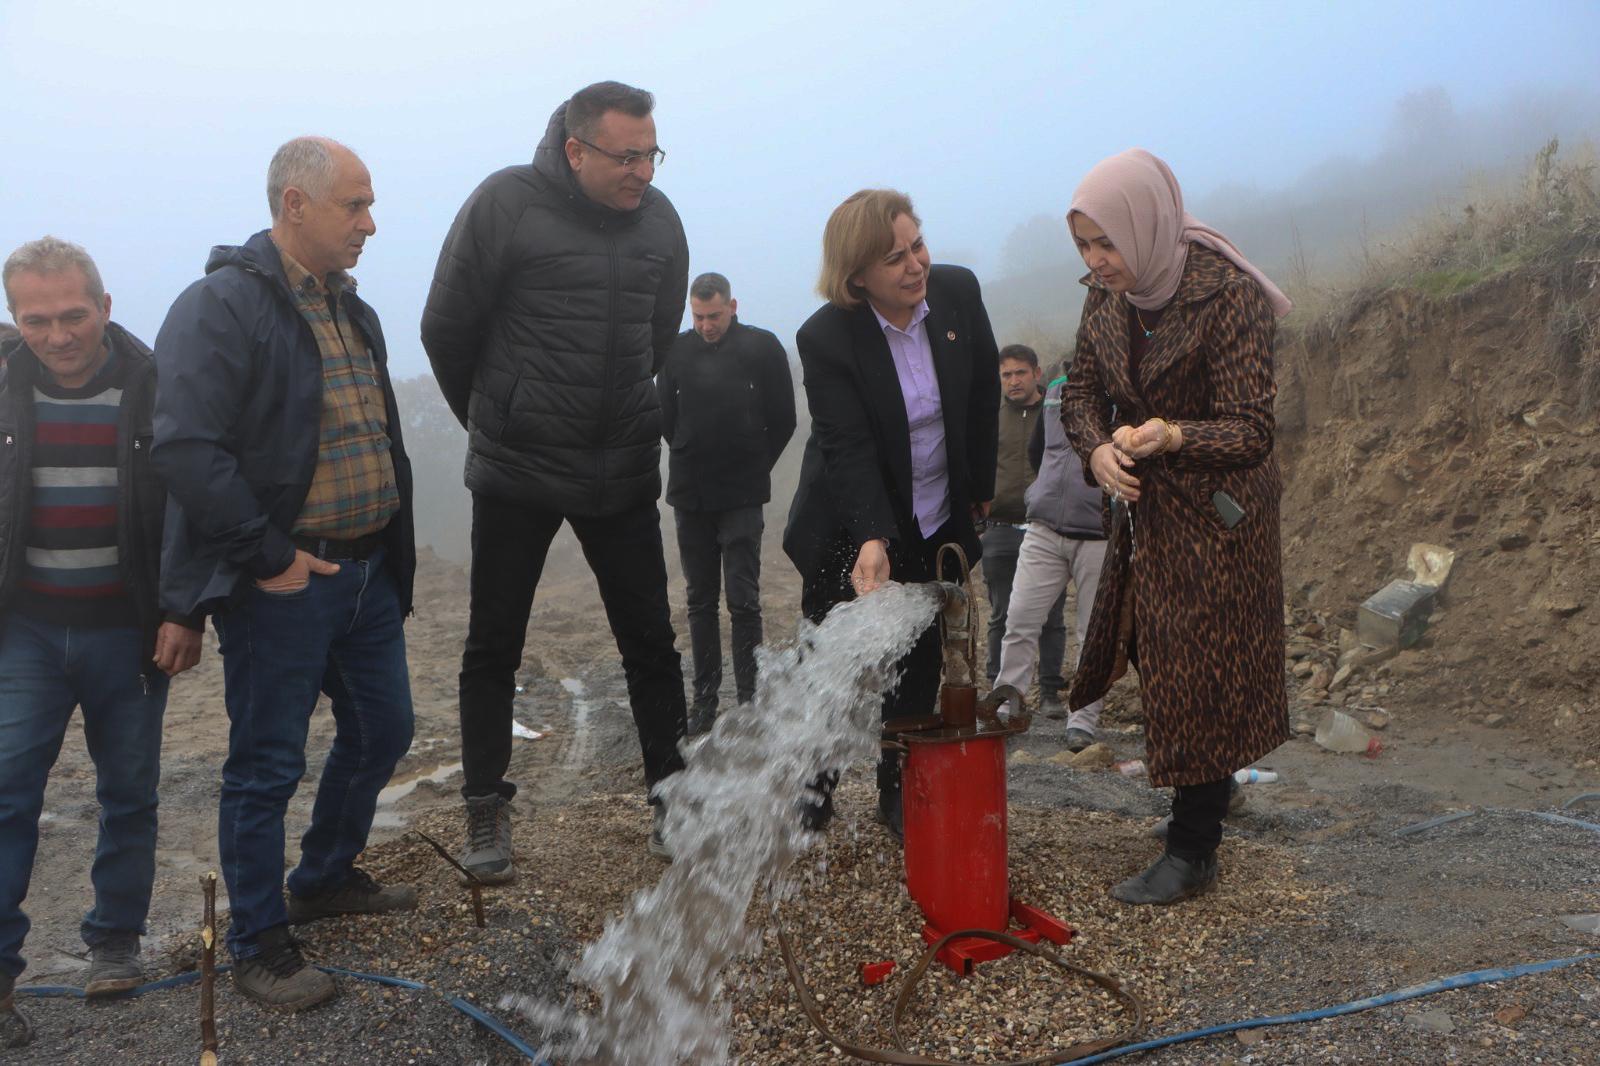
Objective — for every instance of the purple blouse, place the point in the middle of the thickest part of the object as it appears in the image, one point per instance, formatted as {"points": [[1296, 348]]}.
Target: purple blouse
{"points": [[919, 387]]}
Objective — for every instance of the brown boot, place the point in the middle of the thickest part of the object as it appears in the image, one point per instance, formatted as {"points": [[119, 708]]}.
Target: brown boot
{"points": [[279, 976], [15, 1031]]}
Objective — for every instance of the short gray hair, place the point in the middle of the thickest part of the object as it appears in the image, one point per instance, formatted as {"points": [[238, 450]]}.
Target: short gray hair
{"points": [[49, 255], [305, 163]]}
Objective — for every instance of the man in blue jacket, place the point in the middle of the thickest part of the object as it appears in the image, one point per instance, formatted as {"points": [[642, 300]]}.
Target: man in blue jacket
{"points": [[277, 430]]}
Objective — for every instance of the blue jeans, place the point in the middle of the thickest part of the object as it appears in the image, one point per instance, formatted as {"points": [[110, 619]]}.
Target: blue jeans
{"points": [[341, 635], [45, 671]]}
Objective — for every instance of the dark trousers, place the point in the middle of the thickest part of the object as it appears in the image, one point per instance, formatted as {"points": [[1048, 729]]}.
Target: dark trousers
{"points": [[509, 545], [917, 692], [722, 549], [46, 670], [1197, 813], [1001, 545], [340, 635]]}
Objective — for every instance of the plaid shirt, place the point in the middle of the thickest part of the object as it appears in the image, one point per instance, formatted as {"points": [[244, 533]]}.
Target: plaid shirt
{"points": [[353, 491]]}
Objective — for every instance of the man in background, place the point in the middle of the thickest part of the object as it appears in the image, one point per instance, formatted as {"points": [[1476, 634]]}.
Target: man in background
{"points": [[1021, 405], [276, 428], [1065, 542], [727, 412], [81, 516], [558, 292]]}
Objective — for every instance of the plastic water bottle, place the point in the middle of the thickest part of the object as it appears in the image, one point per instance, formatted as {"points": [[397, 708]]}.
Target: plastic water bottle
{"points": [[1252, 776]]}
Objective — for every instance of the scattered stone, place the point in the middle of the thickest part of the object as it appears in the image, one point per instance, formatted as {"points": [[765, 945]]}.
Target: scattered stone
{"points": [[1376, 720], [1304, 668], [1313, 630], [1321, 677], [1495, 721], [1512, 540], [1094, 757], [1341, 677], [1511, 1015], [1432, 1021], [1250, 1037], [1304, 728], [1563, 606], [1022, 758]]}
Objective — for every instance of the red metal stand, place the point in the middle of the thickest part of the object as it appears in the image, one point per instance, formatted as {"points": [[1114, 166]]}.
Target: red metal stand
{"points": [[964, 953]]}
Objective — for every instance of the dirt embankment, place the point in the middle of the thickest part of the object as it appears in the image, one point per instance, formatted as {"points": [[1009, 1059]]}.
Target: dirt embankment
{"points": [[1459, 408]]}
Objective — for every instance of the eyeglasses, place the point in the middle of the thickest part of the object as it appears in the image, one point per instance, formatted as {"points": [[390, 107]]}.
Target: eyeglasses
{"points": [[655, 156]]}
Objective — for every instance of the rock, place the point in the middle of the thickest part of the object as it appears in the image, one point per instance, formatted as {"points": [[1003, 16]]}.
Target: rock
{"points": [[1303, 728], [1495, 721], [1432, 1021], [1250, 1037], [1321, 678], [1341, 677], [1304, 668], [1563, 606], [1512, 540], [1094, 757], [1023, 758], [1511, 1014], [1311, 629], [1376, 720]]}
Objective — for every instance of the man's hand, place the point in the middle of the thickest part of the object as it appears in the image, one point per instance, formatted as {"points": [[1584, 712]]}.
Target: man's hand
{"points": [[177, 648], [298, 576], [871, 569]]}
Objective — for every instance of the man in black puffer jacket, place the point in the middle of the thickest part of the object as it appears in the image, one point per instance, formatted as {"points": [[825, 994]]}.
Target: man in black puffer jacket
{"points": [[559, 289]]}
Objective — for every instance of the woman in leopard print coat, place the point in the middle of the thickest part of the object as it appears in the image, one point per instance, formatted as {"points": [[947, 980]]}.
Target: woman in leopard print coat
{"points": [[1169, 404]]}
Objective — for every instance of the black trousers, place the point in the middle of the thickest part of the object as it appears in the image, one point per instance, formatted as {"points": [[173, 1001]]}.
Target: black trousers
{"points": [[1197, 813], [509, 545], [722, 549], [918, 689]]}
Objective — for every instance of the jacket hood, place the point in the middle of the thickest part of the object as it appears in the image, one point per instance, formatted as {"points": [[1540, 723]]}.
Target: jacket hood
{"points": [[550, 162], [258, 254]]}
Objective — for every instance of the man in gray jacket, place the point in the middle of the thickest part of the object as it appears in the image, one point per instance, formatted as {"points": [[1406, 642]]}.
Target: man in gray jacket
{"points": [[1065, 541], [558, 292]]}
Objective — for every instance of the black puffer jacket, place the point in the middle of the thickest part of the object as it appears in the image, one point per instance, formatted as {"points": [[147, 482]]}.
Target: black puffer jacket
{"points": [[546, 322]]}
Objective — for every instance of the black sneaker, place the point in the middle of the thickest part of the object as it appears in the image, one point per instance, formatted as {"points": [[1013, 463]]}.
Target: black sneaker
{"points": [[279, 976], [701, 719], [891, 813], [114, 967], [816, 809], [657, 844], [15, 1031], [359, 894]]}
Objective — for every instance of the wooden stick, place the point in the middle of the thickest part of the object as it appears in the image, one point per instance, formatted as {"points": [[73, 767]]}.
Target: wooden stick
{"points": [[477, 903], [208, 973]]}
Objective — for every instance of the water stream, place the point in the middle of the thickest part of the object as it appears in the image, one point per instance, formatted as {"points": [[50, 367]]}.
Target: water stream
{"points": [[734, 828]]}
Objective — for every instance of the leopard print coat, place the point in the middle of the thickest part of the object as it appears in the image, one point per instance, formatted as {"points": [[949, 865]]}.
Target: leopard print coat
{"points": [[1195, 606]]}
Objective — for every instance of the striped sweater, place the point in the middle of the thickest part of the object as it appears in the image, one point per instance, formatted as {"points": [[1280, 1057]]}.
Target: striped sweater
{"points": [[72, 573]]}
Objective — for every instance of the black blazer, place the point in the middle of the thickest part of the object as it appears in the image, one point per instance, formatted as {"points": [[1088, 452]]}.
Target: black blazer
{"points": [[855, 479]]}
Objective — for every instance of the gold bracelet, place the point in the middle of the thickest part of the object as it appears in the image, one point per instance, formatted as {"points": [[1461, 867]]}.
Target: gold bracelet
{"points": [[1166, 435]]}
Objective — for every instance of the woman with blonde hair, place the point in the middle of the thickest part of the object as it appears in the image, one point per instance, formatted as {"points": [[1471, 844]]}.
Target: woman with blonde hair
{"points": [[1169, 404], [902, 380]]}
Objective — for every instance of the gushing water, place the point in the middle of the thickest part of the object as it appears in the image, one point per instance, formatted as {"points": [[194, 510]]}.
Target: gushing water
{"points": [[733, 823]]}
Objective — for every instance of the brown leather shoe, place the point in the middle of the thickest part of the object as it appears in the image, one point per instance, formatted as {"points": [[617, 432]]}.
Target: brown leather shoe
{"points": [[15, 1031]]}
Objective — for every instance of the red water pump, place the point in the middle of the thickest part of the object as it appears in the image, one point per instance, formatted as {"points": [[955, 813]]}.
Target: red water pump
{"points": [[954, 796]]}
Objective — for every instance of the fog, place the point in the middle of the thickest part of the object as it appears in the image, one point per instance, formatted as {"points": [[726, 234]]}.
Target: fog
{"points": [[143, 131]]}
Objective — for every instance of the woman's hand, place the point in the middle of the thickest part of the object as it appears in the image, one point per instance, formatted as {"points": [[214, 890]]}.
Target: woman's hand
{"points": [[872, 567], [1155, 436], [1109, 465]]}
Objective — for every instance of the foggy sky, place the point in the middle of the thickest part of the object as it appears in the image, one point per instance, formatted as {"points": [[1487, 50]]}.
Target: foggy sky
{"points": [[143, 131]]}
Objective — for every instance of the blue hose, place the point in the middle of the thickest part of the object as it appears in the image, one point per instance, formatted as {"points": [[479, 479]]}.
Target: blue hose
{"points": [[486, 1020], [1443, 984]]}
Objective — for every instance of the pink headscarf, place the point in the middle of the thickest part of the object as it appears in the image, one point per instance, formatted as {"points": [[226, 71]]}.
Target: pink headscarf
{"points": [[1136, 200]]}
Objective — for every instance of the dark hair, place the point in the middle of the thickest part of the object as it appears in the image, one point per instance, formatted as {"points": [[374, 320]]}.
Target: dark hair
{"points": [[589, 104], [710, 284], [1021, 353]]}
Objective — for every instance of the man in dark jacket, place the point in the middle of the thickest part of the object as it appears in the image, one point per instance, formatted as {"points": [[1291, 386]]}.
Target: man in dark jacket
{"points": [[277, 430], [80, 540], [559, 289], [1021, 404], [727, 411], [1065, 542]]}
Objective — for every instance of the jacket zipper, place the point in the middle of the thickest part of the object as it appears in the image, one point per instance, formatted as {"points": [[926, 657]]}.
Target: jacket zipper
{"points": [[609, 376]]}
